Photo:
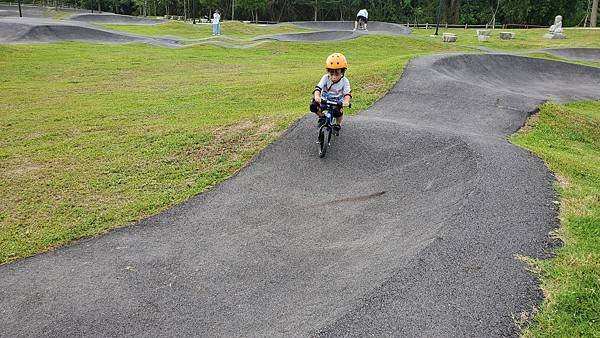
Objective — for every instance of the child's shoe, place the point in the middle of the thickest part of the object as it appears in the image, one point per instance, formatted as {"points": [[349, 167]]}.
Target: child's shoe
{"points": [[336, 129]]}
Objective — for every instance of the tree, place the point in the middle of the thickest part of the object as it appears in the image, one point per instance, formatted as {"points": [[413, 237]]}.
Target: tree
{"points": [[515, 11], [252, 6], [452, 11], [594, 15], [493, 21]]}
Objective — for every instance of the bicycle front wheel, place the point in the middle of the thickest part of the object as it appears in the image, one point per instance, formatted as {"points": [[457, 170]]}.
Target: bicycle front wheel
{"points": [[323, 140]]}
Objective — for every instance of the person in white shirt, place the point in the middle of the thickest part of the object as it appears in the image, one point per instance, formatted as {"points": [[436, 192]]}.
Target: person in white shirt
{"points": [[361, 16], [216, 23]]}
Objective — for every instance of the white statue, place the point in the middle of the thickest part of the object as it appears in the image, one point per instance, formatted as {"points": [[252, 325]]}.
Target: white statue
{"points": [[557, 27], [556, 30]]}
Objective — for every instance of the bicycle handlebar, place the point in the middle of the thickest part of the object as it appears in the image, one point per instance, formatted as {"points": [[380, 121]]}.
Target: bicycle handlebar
{"points": [[338, 104]]}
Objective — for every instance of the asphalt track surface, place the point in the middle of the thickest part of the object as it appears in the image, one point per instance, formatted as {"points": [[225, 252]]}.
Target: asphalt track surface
{"points": [[108, 18], [409, 226], [374, 26], [583, 54], [36, 27], [42, 30]]}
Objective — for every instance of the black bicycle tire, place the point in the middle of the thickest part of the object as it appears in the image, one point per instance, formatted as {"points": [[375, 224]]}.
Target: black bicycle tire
{"points": [[323, 142]]}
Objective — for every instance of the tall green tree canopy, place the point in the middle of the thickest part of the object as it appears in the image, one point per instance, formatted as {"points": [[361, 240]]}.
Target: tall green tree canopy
{"points": [[536, 12]]}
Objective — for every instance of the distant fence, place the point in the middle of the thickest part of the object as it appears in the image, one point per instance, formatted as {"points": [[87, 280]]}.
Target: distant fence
{"points": [[442, 25], [37, 3], [467, 26], [521, 25]]}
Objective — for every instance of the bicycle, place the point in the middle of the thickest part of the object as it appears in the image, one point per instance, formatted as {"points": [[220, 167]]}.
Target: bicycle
{"points": [[326, 130]]}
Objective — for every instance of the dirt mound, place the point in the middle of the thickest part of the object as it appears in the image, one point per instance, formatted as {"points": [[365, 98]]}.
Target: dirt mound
{"points": [[586, 54], [374, 26], [109, 18]]}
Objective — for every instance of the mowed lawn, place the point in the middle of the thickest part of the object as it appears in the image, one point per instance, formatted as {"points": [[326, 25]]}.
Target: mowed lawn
{"points": [[98, 136], [186, 30], [525, 39], [567, 137]]}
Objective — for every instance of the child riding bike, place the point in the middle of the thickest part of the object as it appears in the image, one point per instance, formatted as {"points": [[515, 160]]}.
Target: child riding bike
{"points": [[334, 86]]}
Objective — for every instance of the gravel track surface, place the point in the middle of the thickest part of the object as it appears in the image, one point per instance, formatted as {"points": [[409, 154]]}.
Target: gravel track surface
{"points": [[409, 226]]}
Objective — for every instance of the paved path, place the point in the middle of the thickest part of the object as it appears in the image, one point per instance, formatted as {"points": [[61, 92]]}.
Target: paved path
{"points": [[409, 227]]}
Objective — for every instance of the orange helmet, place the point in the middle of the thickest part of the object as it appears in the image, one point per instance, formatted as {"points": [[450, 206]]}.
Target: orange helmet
{"points": [[336, 61]]}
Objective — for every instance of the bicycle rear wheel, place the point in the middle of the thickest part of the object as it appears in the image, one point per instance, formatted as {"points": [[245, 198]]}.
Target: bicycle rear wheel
{"points": [[323, 140]]}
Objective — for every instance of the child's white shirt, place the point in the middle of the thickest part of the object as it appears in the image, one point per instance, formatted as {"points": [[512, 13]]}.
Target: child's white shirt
{"points": [[335, 91]]}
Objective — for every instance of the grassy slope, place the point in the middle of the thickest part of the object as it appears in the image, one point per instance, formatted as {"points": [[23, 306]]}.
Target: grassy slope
{"points": [[568, 139], [58, 14], [186, 30], [525, 39], [97, 136]]}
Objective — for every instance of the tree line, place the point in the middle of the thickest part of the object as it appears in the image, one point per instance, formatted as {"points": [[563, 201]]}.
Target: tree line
{"points": [[532, 12]]}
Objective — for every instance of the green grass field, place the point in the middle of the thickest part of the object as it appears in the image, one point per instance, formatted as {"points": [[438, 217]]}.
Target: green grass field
{"points": [[525, 39], [567, 137], [98, 136], [58, 14], [95, 137], [186, 30]]}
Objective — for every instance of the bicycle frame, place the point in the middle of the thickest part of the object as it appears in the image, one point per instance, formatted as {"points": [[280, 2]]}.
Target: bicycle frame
{"points": [[326, 130]]}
